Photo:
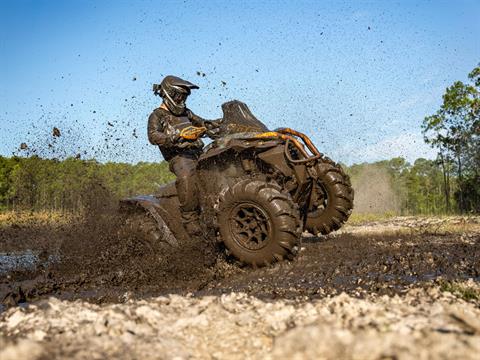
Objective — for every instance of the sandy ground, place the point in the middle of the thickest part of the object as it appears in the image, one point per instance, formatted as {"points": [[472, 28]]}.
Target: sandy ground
{"points": [[388, 290], [422, 324]]}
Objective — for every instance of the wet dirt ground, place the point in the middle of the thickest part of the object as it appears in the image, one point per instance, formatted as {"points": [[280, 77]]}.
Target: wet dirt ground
{"points": [[372, 265], [383, 258]]}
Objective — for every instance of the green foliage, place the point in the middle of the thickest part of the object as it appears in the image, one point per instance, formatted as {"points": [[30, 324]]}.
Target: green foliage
{"points": [[7, 166], [461, 291], [70, 185], [418, 188], [454, 130]]}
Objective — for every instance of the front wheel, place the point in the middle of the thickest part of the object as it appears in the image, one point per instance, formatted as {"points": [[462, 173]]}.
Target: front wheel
{"points": [[258, 223], [333, 202]]}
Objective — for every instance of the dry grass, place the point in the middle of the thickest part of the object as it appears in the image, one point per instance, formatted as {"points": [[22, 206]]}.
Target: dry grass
{"points": [[385, 223], [365, 218], [31, 218], [413, 225]]}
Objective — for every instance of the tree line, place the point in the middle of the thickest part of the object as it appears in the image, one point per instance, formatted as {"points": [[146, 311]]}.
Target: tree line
{"points": [[410, 189], [34, 183]]}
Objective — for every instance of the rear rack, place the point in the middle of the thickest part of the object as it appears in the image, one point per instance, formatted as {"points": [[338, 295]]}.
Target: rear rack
{"points": [[291, 137]]}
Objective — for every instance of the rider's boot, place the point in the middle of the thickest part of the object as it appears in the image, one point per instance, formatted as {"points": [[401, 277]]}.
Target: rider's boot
{"points": [[191, 223]]}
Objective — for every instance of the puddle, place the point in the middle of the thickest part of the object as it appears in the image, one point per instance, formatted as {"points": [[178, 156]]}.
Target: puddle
{"points": [[27, 260]]}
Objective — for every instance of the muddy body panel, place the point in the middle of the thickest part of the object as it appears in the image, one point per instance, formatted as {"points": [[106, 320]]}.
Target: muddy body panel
{"points": [[164, 207]]}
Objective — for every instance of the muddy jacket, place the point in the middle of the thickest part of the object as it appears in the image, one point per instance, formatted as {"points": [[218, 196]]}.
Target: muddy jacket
{"points": [[163, 130]]}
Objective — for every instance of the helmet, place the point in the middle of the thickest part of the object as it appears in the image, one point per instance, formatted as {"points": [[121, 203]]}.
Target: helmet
{"points": [[174, 92]]}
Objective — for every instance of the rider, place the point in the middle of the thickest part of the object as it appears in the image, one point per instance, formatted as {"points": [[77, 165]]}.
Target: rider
{"points": [[170, 127]]}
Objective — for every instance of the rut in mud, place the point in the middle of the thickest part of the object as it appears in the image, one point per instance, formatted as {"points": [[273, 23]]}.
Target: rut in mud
{"points": [[94, 262]]}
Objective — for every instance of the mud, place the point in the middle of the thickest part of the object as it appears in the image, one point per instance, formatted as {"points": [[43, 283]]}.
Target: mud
{"points": [[94, 261], [381, 290], [97, 260]]}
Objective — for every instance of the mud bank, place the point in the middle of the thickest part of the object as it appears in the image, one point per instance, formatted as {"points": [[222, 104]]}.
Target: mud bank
{"points": [[421, 324]]}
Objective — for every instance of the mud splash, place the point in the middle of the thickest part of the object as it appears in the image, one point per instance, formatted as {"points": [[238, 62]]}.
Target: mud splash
{"points": [[96, 257], [95, 260]]}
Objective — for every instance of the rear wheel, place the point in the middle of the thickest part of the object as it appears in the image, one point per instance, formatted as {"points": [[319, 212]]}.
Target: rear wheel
{"points": [[142, 226], [333, 202], [258, 223]]}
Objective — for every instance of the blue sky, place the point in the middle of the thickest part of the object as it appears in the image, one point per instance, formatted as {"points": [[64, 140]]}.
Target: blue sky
{"points": [[358, 76]]}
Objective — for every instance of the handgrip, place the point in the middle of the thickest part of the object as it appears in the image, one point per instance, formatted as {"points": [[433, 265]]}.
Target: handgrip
{"points": [[192, 132]]}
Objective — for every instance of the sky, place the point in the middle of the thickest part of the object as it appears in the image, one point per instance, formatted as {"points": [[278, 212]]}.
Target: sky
{"points": [[357, 76]]}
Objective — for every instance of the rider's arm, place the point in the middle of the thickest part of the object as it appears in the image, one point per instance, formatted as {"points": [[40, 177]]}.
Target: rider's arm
{"points": [[156, 131], [198, 121], [195, 119]]}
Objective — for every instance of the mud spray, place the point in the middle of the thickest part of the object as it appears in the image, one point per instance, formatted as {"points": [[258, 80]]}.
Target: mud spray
{"points": [[374, 192], [101, 259], [93, 255]]}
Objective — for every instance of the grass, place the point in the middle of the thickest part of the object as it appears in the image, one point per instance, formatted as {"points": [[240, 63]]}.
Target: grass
{"points": [[362, 218], [461, 291], [30, 218], [409, 224], [420, 224]]}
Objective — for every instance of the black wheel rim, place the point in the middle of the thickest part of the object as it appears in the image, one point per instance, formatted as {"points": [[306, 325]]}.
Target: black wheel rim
{"points": [[250, 226]]}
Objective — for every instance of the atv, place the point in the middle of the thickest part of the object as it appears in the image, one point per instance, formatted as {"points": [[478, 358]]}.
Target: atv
{"points": [[258, 190]]}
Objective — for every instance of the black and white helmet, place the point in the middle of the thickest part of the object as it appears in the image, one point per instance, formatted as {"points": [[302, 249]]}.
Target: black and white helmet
{"points": [[174, 92]]}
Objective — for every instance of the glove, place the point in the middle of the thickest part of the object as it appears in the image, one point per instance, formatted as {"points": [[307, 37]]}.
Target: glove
{"points": [[192, 132]]}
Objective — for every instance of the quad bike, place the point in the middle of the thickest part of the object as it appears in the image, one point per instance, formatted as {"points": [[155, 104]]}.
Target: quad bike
{"points": [[258, 190]]}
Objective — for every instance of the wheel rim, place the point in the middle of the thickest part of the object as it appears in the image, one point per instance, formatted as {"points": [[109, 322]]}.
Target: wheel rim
{"points": [[250, 226]]}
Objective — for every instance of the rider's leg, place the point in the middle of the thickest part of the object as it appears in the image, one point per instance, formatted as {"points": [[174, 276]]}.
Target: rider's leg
{"points": [[184, 168]]}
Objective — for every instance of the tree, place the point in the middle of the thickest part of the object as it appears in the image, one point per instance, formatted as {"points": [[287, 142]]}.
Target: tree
{"points": [[454, 130]]}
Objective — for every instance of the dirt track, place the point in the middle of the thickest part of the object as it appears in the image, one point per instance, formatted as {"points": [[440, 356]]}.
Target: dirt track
{"points": [[268, 310]]}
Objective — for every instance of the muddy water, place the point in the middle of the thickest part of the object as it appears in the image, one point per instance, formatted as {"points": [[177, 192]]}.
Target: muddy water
{"points": [[20, 261], [24, 261], [102, 267]]}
